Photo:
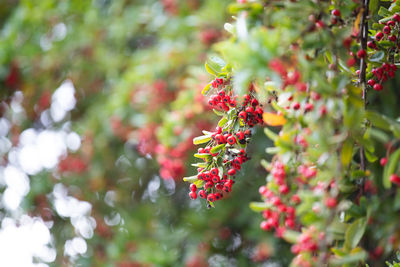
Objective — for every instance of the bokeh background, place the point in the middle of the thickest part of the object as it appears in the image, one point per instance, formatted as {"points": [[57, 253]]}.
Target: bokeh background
{"points": [[100, 100]]}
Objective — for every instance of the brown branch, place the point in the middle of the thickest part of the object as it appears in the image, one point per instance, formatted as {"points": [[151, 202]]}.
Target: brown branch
{"points": [[363, 82]]}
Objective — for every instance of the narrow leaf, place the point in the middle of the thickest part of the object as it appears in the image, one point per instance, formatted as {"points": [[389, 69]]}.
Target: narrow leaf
{"points": [[354, 233], [201, 139], [217, 148], [347, 152], [190, 179]]}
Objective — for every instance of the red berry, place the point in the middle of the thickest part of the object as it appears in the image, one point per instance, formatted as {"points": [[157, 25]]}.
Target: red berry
{"points": [[371, 82], [227, 187], [331, 202], [371, 44], [240, 135], [202, 194], [378, 87], [351, 61], [231, 172], [215, 179], [336, 12], [361, 53], [254, 102], [231, 140], [394, 178], [209, 185], [243, 115], [383, 161], [392, 38], [296, 105], [249, 109], [193, 187], [396, 17], [214, 171], [284, 189], [211, 197], [391, 23], [193, 195], [386, 30], [320, 24], [309, 107], [295, 199], [220, 139], [264, 225], [379, 36]]}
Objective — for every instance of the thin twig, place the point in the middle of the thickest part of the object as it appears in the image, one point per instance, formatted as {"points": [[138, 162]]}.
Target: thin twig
{"points": [[363, 82]]}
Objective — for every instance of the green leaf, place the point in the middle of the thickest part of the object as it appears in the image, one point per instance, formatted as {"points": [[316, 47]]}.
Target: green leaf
{"points": [[354, 233], [190, 179], [217, 148], [350, 258], [202, 155], [259, 206], [199, 183], [201, 139], [378, 120], [373, 6], [377, 57], [291, 236], [222, 122], [390, 168], [219, 113], [347, 152], [211, 70], [383, 12], [370, 156], [200, 164], [271, 135], [206, 88]]}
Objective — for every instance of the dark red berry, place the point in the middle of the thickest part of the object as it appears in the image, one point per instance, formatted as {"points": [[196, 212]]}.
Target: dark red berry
{"points": [[296, 105], [361, 53], [396, 17], [371, 82], [336, 12], [378, 87], [386, 30], [391, 23], [379, 36], [371, 44], [254, 102]]}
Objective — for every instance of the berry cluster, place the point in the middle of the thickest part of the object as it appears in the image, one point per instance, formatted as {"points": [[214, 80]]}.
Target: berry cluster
{"points": [[278, 216], [225, 151], [387, 40]]}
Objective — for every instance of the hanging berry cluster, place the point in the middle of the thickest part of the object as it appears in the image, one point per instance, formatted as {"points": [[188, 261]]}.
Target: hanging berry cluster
{"points": [[386, 48], [225, 149]]}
